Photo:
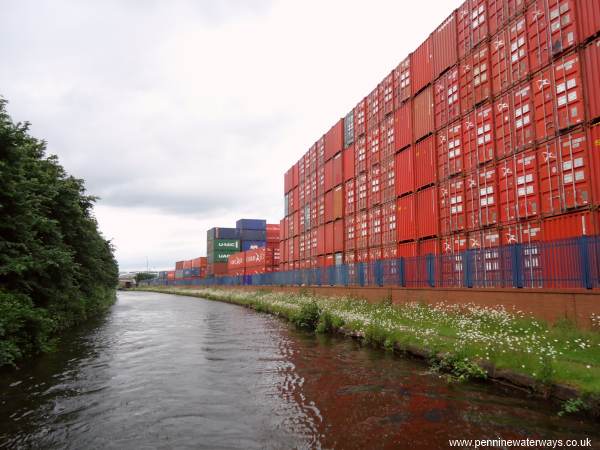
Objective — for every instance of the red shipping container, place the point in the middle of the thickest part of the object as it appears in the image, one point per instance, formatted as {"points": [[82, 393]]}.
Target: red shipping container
{"points": [[295, 176], [334, 140], [510, 56], [348, 168], [588, 18], [403, 126], [452, 203], [388, 180], [296, 245], [236, 261], [360, 119], [314, 241], [350, 232], [450, 153], [338, 202], [423, 114], [374, 254], [427, 213], [518, 186], [373, 148], [571, 225], [475, 78], [472, 25], [374, 113], [522, 233], [429, 247], [486, 239], [328, 206], [478, 137], [450, 268], [338, 235], [388, 216], [338, 173], [362, 230], [321, 210], [386, 137], [321, 240], [362, 256], [444, 43], [374, 183], [565, 173], [361, 191], [349, 257], [482, 198], [179, 265], [389, 252], [514, 121], [454, 243], [425, 172], [321, 180], [387, 93], [296, 224], [552, 29], [321, 152], [361, 155], [595, 157], [329, 238], [405, 218], [171, 275], [558, 97], [328, 176], [407, 250], [421, 66], [402, 88], [502, 11], [302, 247], [349, 197], [375, 226], [446, 98], [591, 62], [202, 260], [405, 181]]}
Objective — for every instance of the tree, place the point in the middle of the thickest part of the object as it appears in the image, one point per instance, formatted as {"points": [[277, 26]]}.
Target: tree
{"points": [[56, 269], [141, 276]]}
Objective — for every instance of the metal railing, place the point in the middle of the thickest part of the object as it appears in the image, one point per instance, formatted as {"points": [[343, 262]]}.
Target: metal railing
{"points": [[564, 264]]}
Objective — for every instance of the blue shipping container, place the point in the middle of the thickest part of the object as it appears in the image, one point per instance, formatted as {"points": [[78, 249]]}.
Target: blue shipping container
{"points": [[250, 245], [253, 235], [195, 271], [251, 224], [222, 233]]}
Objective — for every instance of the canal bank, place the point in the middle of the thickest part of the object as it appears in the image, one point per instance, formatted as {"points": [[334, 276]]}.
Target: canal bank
{"points": [[556, 362]]}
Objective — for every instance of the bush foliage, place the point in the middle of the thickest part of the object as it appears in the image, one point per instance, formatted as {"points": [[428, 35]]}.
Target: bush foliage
{"points": [[56, 269]]}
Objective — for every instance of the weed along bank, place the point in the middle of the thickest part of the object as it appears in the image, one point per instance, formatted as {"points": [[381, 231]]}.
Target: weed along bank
{"points": [[467, 341]]}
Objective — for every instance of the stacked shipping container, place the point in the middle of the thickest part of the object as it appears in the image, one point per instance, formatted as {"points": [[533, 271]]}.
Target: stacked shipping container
{"points": [[486, 135]]}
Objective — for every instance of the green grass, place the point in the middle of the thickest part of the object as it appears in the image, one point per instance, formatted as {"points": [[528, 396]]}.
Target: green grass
{"points": [[467, 334]]}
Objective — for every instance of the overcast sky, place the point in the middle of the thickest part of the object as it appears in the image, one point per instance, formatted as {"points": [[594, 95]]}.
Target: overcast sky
{"points": [[182, 115]]}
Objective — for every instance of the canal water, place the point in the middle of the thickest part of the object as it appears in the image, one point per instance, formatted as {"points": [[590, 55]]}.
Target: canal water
{"points": [[163, 371]]}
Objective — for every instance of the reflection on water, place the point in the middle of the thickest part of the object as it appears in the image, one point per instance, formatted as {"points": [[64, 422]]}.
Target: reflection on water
{"points": [[175, 372]]}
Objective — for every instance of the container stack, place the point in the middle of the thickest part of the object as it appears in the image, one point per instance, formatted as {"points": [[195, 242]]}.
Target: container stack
{"points": [[253, 262], [221, 243], [187, 269], [486, 135], [252, 233]]}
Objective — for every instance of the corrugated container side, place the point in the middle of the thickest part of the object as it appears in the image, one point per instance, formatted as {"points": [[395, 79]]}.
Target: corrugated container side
{"points": [[421, 66], [575, 224], [405, 181], [373, 147], [405, 218], [328, 180], [446, 98], [427, 213], [402, 87], [423, 114], [334, 140], [478, 141], [407, 250], [350, 197], [295, 175], [452, 206], [348, 164], [362, 229], [387, 131], [450, 153], [360, 155], [329, 206], [388, 179], [565, 172], [251, 224], [361, 191], [338, 202], [329, 237], [472, 25], [338, 171], [374, 186], [518, 185], [179, 265], [558, 97], [444, 43], [481, 190], [425, 172], [360, 118], [350, 232], [387, 93], [349, 129], [374, 113], [338, 235], [475, 78], [591, 62], [375, 226], [500, 12], [429, 247], [389, 251], [403, 126], [588, 17], [595, 161], [510, 56], [389, 214]]}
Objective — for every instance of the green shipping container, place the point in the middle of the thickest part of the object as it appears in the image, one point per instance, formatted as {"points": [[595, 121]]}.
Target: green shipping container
{"points": [[222, 256], [224, 245]]}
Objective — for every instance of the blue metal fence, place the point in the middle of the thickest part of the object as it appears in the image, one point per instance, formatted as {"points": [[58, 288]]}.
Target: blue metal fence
{"points": [[568, 263]]}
